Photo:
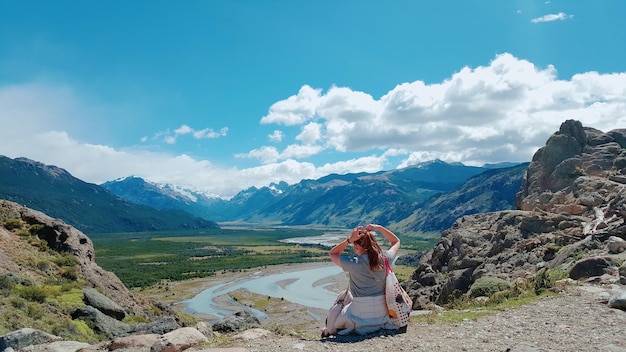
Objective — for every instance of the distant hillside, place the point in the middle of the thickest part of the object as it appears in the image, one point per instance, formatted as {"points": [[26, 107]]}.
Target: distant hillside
{"points": [[394, 197], [88, 207], [492, 190]]}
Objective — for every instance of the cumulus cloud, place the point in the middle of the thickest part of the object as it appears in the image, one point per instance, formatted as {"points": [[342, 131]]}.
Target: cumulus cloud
{"points": [[561, 16], [295, 109], [502, 111], [311, 133]]}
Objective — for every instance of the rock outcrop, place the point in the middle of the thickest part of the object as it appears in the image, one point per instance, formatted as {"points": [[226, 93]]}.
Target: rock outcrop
{"points": [[570, 217], [64, 238], [37, 251]]}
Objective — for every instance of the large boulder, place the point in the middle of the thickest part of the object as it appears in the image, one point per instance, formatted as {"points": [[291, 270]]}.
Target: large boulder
{"points": [[616, 245], [93, 298], [618, 301], [57, 346], [570, 205], [178, 340], [21, 338], [138, 342], [236, 322], [159, 326], [590, 267], [101, 323]]}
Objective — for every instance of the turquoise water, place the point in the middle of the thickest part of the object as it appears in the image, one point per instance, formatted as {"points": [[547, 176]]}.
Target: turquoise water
{"points": [[303, 290]]}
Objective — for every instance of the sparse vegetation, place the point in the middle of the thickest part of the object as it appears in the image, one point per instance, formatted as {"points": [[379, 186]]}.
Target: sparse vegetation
{"points": [[44, 307], [469, 307], [13, 224], [546, 278], [487, 286], [43, 303]]}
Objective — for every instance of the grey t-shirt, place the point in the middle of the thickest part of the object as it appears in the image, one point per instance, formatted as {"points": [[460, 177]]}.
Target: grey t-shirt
{"points": [[363, 281]]}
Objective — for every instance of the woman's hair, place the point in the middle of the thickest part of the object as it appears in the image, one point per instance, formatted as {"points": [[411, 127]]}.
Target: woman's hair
{"points": [[374, 252]]}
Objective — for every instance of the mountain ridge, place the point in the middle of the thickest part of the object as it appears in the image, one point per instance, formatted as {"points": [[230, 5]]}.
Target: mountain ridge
{"points": [[388, 197], [86, 206]]}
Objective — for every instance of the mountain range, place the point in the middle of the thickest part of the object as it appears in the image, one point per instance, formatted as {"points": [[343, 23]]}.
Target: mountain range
{"points": [[425, 197], [86, 206]]}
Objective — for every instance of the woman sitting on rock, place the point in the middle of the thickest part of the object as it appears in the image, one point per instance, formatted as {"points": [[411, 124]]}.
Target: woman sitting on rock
{"points": [[367, 312]]}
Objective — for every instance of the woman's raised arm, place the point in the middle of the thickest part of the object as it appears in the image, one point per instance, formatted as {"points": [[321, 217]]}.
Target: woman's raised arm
{"points": [[394, 241]]}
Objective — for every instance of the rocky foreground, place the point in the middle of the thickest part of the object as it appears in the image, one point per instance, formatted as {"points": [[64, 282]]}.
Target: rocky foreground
{"points": [[579, 319]]}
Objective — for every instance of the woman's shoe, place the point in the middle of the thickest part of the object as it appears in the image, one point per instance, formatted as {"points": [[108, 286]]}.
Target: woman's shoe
{"points": [[325, 333]]}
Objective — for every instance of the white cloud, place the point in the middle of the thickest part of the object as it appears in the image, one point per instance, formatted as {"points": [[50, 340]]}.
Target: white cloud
{"points": [[209, 133], [170, 138], [269, 154], [500, 112], [503, 111], [298, 151], [295, 109], [311, 133], [184, 129], [561, 16], [265, 154], [276, 136]]}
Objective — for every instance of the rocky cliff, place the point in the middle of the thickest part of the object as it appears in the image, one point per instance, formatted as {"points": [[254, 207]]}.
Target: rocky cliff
{"points": [[569, 219], [60, 238], [49, 281]]}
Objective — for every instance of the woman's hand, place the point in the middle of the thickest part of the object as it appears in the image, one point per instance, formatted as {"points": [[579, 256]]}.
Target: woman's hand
{"points": [[356, 234], [394, 241], [372, 227]]}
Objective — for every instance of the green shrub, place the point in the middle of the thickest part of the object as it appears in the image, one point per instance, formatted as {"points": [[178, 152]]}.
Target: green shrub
{"points": [[13, 224], [65, 260], [545, 279], [37, 243], [135, 319], [458, 300], [63, 297], [502, 296], [6, 284], [487, 286], [22, 232], [44, 265], [76, 330], [187, 319], [17, 302], [34, 311], [69, 273], [31, 293]]}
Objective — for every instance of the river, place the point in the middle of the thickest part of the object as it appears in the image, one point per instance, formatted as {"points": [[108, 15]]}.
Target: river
{"points": [[301, 287]]}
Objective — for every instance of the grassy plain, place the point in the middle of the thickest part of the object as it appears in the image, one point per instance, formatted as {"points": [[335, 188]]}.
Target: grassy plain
{"points": [[144, 259]]}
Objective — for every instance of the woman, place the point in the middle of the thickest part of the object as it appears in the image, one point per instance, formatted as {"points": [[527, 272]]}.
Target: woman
{"points": [[368, 311]]}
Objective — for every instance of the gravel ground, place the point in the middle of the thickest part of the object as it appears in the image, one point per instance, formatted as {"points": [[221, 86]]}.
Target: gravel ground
{"points": [[579, 320]]}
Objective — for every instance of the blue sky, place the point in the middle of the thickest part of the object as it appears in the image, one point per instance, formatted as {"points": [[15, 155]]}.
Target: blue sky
{"points": [[224, 95]]}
